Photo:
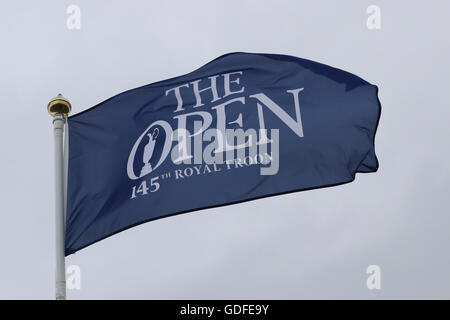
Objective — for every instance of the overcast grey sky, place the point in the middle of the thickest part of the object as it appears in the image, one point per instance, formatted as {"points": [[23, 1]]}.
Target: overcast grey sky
{"points": [[314, 244]]}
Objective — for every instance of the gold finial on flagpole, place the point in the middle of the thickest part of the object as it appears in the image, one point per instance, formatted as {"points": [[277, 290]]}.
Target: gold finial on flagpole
{"points": [[59, 105]]}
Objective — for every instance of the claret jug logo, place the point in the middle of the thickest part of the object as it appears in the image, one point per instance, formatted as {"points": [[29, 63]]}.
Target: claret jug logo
{"points": [[148, 152], [217, 125]]}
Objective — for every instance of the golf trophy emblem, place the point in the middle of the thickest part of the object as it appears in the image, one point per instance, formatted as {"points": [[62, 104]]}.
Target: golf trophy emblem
{"points": [[148, 152]]}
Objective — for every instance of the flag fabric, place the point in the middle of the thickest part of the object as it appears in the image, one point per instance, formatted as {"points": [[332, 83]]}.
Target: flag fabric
{"points": [[242, 127]]}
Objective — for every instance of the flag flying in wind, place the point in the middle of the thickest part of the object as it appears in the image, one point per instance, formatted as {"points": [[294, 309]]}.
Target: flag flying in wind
{"points": [[242, 127]]}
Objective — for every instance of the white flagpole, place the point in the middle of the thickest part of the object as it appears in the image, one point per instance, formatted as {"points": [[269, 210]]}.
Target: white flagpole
{"points": [[59, 108]]}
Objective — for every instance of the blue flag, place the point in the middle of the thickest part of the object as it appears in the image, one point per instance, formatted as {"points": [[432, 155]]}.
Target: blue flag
{"points": [[242, 127]]}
